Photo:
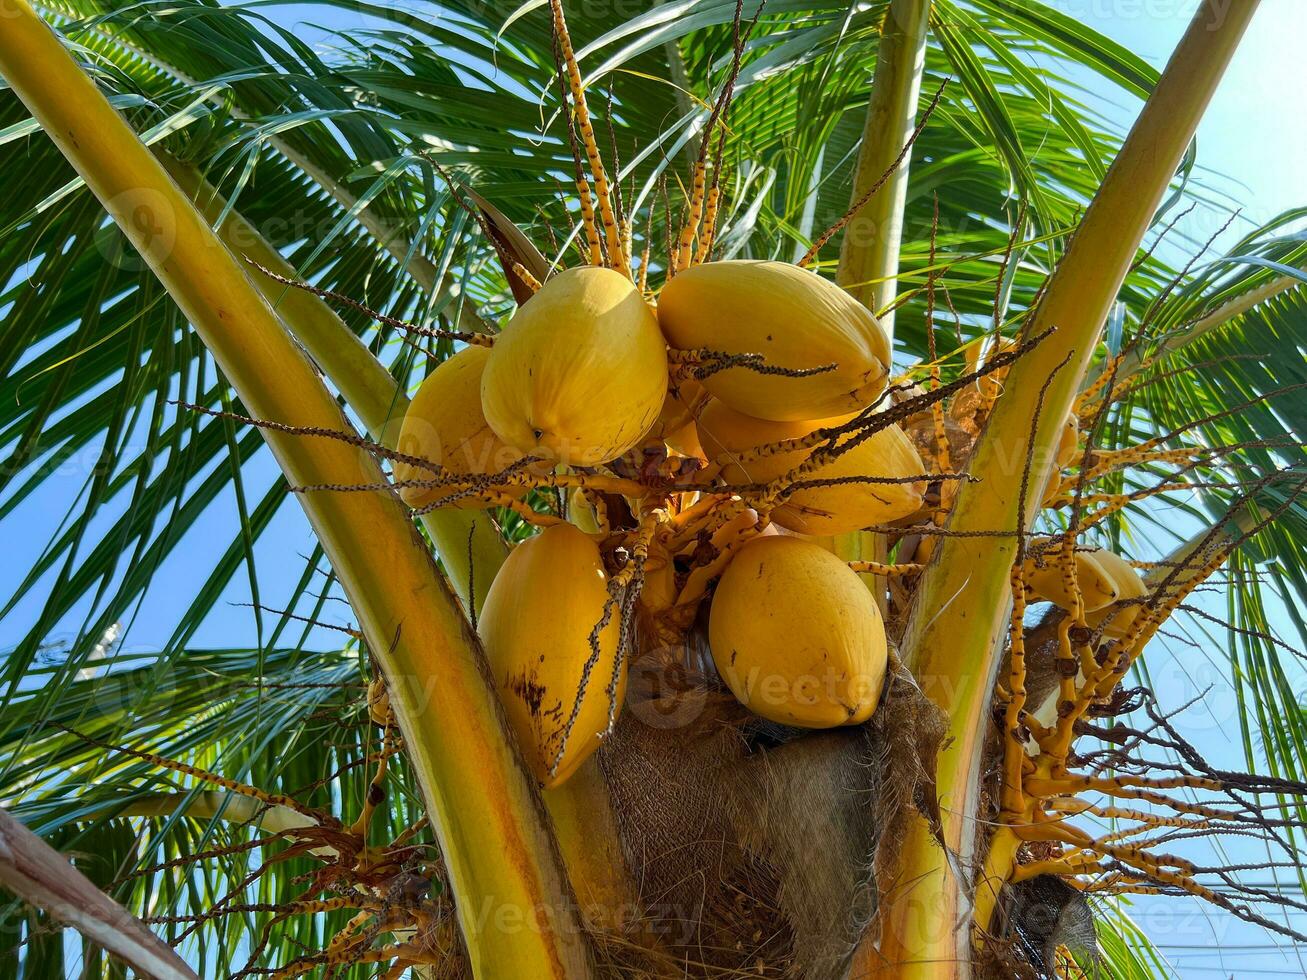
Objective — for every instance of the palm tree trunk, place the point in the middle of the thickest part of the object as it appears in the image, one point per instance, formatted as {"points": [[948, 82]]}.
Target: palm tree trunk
{"points": [[515, 906], [954, 638]]}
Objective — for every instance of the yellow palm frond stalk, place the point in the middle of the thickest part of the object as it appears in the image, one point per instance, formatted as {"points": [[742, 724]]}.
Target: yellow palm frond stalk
{"points": [[491, 825], [960, 614], [869, 254], [467, 541]]}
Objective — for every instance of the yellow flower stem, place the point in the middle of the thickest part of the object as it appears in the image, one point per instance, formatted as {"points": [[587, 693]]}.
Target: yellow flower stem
{"points": [[999, 863]]}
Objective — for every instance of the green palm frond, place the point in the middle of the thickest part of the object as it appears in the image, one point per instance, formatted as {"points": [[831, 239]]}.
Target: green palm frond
{"points": [[1255, 359], [295, 721], [1124, 952]]}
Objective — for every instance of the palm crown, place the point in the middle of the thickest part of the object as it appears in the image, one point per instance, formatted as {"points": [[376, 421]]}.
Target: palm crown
{"points": [[356, 161]]}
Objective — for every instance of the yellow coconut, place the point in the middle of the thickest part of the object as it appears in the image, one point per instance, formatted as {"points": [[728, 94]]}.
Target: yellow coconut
{"points": [[580, 373], [583, 511], [794, 319], [1116, 620], [1044, 573], [444, 424], [1067, 454], [796, 635], [685, 440], [379, 702], [536, 623], [727, 435]]}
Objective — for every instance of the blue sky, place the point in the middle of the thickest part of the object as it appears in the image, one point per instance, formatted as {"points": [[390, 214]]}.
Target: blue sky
{"points": [[1252, 141], [1253, 145]]}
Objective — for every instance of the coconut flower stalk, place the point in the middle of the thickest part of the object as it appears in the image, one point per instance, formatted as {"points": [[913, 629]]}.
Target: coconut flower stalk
{"points": [[964, 599], [487, 813]]}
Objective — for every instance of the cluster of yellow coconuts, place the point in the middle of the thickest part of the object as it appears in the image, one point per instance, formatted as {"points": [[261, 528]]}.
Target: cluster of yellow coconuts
{"points": [[582, 376]]}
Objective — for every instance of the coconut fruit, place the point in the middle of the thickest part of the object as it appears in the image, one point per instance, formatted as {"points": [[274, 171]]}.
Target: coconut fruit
{"points": [[536, 625], [444, 424], [1067, 454], [580, 373], [1044, 574], [794, 319], [727, 436], [658, 594], [797, 636], [1116, 620]]}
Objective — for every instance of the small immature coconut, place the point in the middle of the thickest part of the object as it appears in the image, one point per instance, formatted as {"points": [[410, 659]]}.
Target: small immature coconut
{"points": [[1117, 619], [659, 591], [580, 373], [1068, 453], [727, 435], [920, 428], [685, 441], [797, 636], [1044, 574], [536, 624], [794, 319], [379, 702], [444, 424]]}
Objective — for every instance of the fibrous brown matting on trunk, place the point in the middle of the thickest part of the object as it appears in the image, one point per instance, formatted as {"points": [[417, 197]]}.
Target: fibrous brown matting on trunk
{"points": [[753, 847]]}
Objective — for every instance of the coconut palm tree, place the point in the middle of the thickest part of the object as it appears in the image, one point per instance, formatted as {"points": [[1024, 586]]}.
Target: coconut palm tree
{"points": [[218, 240]]}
